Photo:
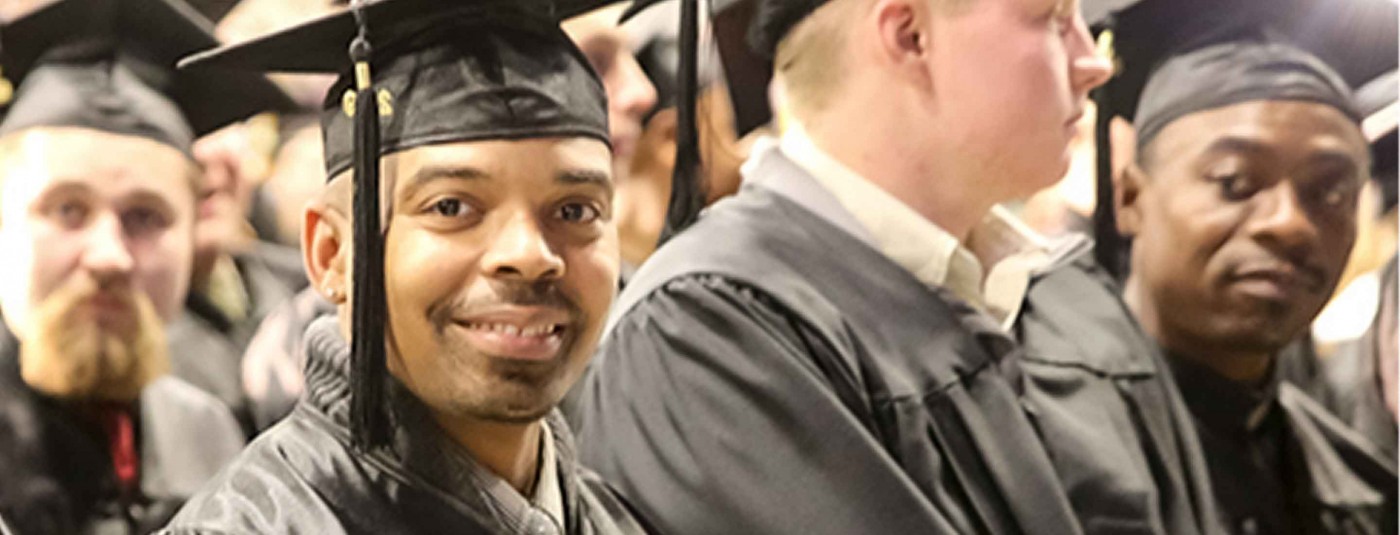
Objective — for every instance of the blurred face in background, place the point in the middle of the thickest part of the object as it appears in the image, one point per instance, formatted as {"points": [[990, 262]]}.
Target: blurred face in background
{"points": [[97, 230], [630, 93], [232, 171]]}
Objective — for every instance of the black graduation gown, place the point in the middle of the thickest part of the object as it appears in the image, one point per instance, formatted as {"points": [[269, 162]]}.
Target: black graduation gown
{"points": [[56, 469], [302, 476], [1119, 435], [771, 373], [207, 346], [1280, 463]]}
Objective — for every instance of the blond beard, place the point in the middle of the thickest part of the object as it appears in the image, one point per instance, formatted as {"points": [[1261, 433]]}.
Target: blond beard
{"points": [[70, 355]]}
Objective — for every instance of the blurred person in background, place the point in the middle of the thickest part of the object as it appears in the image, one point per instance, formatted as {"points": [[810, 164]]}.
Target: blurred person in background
{"points": [[98, 189], [630, 95], [645, 191], [241, 278]]}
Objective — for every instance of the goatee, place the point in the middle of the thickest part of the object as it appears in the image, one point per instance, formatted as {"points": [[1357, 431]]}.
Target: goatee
{"points": [[75, 352]]}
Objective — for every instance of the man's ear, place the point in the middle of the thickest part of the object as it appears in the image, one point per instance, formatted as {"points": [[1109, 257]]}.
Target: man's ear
{"points": [[903, 28], [325, 247], [1128, 187]]}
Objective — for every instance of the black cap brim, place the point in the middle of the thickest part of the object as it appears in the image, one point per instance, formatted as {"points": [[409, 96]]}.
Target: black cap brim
{"points": [[320, 43], [158, 33]]}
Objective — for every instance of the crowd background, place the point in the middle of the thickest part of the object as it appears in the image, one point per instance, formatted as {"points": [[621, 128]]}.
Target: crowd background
{"points": [[240, 336]]}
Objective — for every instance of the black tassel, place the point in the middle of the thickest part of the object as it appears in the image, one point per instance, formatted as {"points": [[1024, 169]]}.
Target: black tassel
{"points": [[687, 190], [1108, 244], [368, 421]]}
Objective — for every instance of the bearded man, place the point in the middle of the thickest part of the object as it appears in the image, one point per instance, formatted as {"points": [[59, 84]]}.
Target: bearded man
{"points": [[97, 197]]}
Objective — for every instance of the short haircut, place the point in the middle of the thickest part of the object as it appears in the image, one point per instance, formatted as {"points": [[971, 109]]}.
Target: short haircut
{"points": [[811, 58]]}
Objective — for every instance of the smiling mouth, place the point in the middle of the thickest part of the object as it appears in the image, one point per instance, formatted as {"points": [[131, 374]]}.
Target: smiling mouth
{"points": [[532, 341]]}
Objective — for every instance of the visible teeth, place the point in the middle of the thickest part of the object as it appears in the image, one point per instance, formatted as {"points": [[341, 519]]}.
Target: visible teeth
{"points": [[512, 330]]}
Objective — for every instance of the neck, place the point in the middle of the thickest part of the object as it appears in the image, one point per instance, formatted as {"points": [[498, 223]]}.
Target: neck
{"points": [[901, 165], [509, 450], [1240, 366]]}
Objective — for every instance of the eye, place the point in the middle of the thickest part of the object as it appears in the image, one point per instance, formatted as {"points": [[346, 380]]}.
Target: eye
{"points": [[142, 220], [1233, 186], [577, 212], [451, 207], [70, 213], [1233, 176], [1341, 193]]}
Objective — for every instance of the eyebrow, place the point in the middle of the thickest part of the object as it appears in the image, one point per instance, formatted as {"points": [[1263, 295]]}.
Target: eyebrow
{"points": [[588, 177], [434, 173], [1324, 155], [148, 196], [431, 174]]}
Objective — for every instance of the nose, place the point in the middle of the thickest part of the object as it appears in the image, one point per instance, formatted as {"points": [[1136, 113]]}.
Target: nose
{"points": [[106, 254], [1088, 68], [635, 94], [520, 252], [1282, 223]]}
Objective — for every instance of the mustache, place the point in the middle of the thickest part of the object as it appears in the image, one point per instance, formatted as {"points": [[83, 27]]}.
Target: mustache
{"points": [[544, 294]]}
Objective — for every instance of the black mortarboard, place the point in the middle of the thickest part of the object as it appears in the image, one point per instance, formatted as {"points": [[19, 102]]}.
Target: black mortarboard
{"points": [[110, 65], [1355, 39], [432, 71]]}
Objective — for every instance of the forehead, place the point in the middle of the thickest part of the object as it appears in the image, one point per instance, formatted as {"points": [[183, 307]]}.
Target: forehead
{"points": [[1303, 127], [39, 159], [505, 158]]}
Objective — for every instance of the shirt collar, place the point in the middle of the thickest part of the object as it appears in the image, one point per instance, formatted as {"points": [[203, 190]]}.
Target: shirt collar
{"points": [[934, 256], [916, 244], [548, 497], [1229, 408]]}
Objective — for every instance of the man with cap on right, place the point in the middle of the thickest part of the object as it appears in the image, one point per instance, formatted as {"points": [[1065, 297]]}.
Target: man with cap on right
{"points": [[462, 318], [1241, 205]]}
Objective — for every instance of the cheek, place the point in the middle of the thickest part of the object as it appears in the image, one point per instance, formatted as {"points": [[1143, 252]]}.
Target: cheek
{"points": [[423, 270], [1186, 232], [37, 259], [591, 276], [163, 269]]}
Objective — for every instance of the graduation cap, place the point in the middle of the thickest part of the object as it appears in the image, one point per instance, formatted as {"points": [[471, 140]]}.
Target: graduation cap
{"points": [[109, 65], [1355, 40], [423, 72]]}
